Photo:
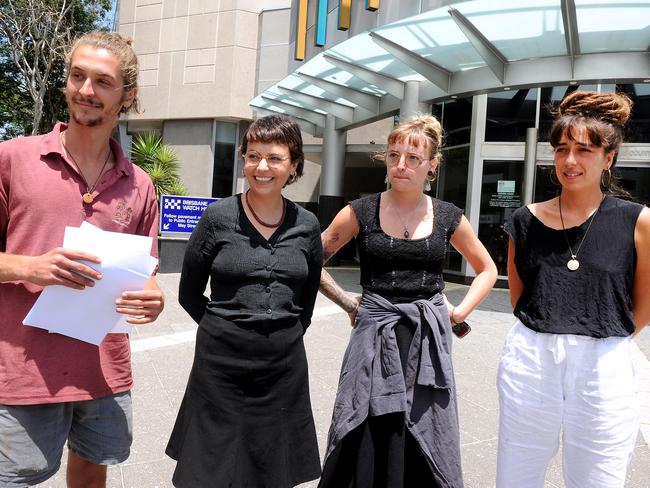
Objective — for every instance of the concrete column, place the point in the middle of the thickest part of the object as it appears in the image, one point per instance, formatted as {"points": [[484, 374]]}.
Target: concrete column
{"points": [[330, 200], [411, 105], [475, 176], [530, 162], [124, 138]]}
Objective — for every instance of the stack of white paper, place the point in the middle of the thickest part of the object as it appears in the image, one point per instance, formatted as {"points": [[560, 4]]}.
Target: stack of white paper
{"points": [[89, 314]]}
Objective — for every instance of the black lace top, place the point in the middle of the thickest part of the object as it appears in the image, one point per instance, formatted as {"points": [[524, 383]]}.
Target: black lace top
{"points": [[398, 269], [596, 299]]}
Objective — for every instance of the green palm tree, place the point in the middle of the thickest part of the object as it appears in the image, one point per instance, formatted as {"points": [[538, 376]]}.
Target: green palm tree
{"points": [[159, 161]]}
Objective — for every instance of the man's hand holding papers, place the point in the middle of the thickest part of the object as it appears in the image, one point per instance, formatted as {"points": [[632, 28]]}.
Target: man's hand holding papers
{"points": [[124, 292]]}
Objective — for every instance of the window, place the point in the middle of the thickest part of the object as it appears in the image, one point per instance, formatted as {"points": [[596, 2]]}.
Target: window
{"points": [[638, 128], [225, 153], [457, 121], [509, 114], [452, 187], [545, 188], [636, 181]]}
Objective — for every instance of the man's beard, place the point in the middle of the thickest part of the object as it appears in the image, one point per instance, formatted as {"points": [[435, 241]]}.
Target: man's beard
{"points": [[88, 122]]}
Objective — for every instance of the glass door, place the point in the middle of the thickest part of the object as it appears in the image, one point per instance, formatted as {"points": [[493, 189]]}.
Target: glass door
{"points": [[500, 196]]}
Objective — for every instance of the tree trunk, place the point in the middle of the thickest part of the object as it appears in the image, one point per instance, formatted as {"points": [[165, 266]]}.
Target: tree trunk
{"points": [[38, 115]]}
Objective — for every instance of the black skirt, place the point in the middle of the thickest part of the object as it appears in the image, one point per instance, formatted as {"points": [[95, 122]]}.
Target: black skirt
{"points": [[381, 452], [246, 418]]}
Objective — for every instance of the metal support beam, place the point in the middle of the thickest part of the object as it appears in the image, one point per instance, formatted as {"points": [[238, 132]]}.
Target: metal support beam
{"points": [[530, 162], [437, 75], [369, 102], [572, 39], [607, 67], [490, 54], [304, 125], [386, 83], [337, 109], [475, 176], [313, 117]]}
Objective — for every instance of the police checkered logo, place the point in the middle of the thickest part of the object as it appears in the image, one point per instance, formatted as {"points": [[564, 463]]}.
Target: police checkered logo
{"points": [[172, 204]]}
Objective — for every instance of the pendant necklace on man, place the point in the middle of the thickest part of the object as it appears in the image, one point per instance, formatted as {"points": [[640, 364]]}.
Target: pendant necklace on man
{"points": [[573, 264], [407, 234], [87, 197]]}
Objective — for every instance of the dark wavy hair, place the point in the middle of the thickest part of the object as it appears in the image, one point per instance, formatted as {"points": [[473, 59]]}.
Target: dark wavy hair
{"points": [[278, 129]]}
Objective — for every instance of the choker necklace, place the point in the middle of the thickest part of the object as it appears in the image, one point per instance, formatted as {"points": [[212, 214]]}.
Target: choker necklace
{"points": [[573, 264], [88, 196], [260, 221], [406, 234]]}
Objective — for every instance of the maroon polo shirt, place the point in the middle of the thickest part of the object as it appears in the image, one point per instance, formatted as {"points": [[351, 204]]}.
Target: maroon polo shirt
{"points": [[40, 194]]}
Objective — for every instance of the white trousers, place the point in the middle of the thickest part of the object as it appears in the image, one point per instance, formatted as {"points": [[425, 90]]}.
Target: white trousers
{"points": [[582, 387]]}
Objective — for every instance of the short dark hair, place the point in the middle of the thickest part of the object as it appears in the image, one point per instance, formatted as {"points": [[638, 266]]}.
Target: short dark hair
{"points": [[277, 129]]}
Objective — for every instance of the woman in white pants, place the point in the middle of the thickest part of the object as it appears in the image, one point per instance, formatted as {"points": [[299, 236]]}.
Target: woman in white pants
{"points": [[579, 275]]}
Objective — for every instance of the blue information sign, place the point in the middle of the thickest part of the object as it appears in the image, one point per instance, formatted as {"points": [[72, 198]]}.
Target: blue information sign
{"points": [[181, 214]]}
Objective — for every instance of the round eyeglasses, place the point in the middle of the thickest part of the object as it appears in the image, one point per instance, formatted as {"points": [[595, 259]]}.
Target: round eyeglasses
{"points": [[410, 160], [272, 160]]}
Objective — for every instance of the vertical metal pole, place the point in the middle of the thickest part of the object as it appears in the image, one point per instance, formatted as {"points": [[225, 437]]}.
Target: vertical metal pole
{"points": [[475, 176], [530, 163]]}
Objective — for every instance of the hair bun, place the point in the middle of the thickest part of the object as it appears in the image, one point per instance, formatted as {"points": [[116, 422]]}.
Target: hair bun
{"points": [[614, 108]]}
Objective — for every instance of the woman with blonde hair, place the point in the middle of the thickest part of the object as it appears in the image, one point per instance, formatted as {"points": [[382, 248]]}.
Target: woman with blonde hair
{"points": [[395, 421], [579, 275]]}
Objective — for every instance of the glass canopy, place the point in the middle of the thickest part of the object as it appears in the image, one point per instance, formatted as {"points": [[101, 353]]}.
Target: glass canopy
{"points": [[465, 48]]}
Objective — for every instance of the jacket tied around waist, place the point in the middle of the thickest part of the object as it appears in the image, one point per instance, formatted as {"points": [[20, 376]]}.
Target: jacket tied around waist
{"points": [[372, 381]]}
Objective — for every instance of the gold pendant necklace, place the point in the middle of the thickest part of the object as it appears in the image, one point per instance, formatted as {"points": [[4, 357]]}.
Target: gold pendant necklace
{"points": [[87, 197], [573, 264]]}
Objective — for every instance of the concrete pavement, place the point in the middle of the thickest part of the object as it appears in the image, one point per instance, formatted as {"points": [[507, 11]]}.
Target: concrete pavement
{"points": [[163, 352]]}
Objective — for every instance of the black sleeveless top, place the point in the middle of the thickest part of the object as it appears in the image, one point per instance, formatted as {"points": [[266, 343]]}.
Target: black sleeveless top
{"points": [[402, 270], [596, 299]]}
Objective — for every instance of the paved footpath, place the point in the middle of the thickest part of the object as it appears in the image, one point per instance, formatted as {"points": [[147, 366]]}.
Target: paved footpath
{"points": [[163, 352]]}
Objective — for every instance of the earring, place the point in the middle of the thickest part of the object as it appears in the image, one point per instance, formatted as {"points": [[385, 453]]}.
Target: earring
{"points": [[292, 178], [606, 181], [386, 178], [427, 182]]}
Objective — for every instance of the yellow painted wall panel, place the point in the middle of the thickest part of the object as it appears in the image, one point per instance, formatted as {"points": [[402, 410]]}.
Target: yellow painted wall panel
{"points": [[301, 31]]}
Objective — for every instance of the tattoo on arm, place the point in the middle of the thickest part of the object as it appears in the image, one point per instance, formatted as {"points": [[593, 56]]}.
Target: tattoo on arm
{"points": [[328, 286], [330, 240], [334, 292]]}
